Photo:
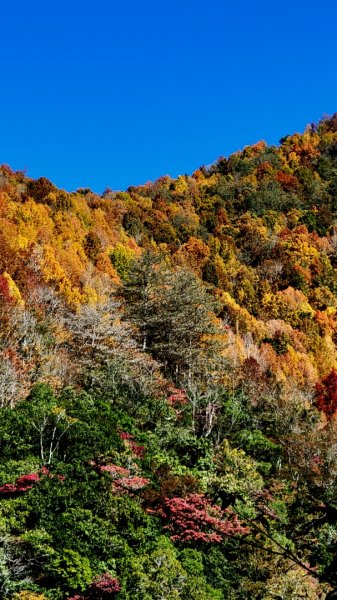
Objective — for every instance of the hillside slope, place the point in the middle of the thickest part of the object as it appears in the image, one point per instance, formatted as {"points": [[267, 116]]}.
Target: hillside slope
{"points": [[168, 381]]}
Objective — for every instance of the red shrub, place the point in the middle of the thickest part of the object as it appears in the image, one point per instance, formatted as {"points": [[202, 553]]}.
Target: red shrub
{"points": [[104, 586], [128, 438], [125, 436], [26, 482], [138, 451], [115, 471], [177, 397], [131, 484], [22, 484], [9, 488], [28, 479]]}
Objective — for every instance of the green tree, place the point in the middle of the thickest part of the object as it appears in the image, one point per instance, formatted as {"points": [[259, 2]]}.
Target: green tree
{"points": [[174, 314], [155, 576], [71, 569]]}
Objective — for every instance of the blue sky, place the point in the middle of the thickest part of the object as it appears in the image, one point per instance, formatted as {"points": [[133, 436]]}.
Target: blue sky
{"points": [[105, 93]]}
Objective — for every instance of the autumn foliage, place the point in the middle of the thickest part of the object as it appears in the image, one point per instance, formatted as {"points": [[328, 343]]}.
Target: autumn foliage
{"points": [[195, 519], [104, 587], [326, 394]]}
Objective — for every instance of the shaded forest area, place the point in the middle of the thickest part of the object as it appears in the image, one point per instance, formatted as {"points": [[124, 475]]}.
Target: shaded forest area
{"points": [[168, 382]]}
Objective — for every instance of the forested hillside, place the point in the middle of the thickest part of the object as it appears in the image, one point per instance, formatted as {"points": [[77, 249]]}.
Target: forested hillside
{"points": [[168, 382]]}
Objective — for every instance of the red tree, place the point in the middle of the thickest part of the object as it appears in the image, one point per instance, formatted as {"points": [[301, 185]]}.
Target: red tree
{"points": [[326, 394], [194, 518], [5, 294], [104, 587]]}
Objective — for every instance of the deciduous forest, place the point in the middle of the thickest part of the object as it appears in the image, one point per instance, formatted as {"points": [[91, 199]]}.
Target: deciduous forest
{"points": [[168, 382]]}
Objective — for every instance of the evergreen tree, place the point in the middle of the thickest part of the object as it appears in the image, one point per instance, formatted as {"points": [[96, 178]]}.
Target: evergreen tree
{"points": [[175, 316]]}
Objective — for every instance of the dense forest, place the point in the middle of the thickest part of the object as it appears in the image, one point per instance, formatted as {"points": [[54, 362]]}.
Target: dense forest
{"points": [[168, 382]]}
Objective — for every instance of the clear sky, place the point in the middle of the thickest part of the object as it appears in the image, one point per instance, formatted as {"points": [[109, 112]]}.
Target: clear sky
{"points": [[104, 93]]}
